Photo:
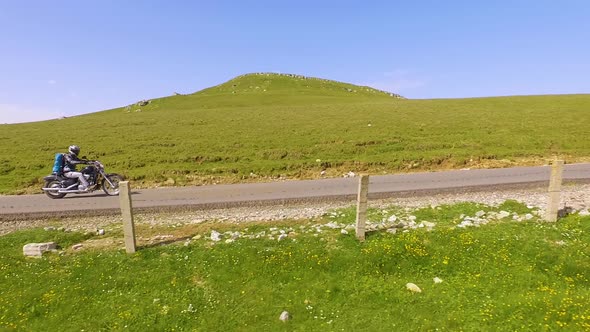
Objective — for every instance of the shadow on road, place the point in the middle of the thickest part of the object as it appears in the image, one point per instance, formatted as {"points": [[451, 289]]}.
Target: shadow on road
{"points": [[90, 195]]}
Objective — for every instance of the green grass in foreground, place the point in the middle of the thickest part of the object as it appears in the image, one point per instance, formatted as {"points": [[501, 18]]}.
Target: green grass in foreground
{"points": [[509, 276], [263, 127]]}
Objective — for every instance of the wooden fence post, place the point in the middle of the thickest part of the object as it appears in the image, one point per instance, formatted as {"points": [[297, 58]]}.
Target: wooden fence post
{"points": [[554, 190], [127, 212], [361, 207]]}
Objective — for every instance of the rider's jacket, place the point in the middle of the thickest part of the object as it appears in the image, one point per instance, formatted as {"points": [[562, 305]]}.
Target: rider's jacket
{"points": [[71, 161]]}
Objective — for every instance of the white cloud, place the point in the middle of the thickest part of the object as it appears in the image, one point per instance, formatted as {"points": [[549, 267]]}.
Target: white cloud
{"points": [[10, 113], [52, 82]]}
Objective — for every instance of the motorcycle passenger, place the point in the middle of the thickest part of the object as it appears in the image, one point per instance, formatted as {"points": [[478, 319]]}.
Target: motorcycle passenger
{"points": [[70, 162]]}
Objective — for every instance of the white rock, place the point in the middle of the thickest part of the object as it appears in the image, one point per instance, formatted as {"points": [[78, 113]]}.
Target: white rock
{"points": [[412, 218], [437, 280], [584, 212], [229, 240], [413, 287], [215, 236], [37, 249], [503, 214], [393, 218], [428, 224], [392, 230], [480, 213], [197, 237], [343, 231], [528, 216], [282, 237], [101, 232], [285, 316], [77, 246]]}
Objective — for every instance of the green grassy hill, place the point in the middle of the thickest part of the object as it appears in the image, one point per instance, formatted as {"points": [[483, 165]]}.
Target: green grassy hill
{"points": [[263, 126]]}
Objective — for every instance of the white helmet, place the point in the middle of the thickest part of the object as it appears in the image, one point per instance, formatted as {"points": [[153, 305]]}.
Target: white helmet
{"points": [[74, 149]]}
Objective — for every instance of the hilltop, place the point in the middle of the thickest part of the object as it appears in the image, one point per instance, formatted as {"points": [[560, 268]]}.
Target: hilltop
{"points": [[291, 84]]}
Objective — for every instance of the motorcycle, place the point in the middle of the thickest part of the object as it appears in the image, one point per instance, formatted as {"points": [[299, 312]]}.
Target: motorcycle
{"points": [[57, 185]]}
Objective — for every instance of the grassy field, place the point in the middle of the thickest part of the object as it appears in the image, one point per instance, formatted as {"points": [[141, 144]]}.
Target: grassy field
{"points": [[503, 276], [262, 127]]}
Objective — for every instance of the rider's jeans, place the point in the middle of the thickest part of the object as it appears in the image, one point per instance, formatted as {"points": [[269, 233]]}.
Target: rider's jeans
{"points": [[79, 176]]}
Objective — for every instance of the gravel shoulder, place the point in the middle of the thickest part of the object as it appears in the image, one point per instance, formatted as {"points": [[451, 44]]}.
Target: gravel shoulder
{"points": [[575, 196]]}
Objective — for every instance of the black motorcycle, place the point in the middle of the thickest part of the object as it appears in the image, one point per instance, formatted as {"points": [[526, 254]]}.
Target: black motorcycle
{"points": [[57, 185]]}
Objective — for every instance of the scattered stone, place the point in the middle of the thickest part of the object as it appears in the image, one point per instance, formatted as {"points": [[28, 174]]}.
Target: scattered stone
{"points": [[480, 213], [37, 249], [285, 316], [77, 246], [413, 287], [187, 243], [215, 236], [584, 212], [428, 224], [282, 237], [563, 212], [229, 240], [437, 280], [343, 231], [528, 216], [49, 228], [101, 232]]}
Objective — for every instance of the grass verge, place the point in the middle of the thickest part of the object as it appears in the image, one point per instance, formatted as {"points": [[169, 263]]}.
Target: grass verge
{"points": [[503, 275]]}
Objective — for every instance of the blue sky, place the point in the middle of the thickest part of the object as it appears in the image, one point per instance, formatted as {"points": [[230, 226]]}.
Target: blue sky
{"points": [[62, 58]]}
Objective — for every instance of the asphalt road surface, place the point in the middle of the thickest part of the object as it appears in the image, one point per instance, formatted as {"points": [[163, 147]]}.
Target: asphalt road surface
{"points": [[252, 194]]}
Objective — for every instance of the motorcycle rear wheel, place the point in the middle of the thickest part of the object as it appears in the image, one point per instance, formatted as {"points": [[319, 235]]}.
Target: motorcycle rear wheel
{"points": [[53, 194], [112, 190]]}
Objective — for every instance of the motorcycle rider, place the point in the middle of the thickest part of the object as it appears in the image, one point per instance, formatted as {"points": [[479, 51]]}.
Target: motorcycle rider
{"points": [[70, 162]]}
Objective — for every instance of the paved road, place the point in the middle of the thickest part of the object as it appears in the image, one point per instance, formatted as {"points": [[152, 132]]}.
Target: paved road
{"points": [[16, 207]]}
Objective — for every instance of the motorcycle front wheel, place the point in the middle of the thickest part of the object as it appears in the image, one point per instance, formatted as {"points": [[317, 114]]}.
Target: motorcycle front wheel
{"points": [[114, 189], [53, 194]]}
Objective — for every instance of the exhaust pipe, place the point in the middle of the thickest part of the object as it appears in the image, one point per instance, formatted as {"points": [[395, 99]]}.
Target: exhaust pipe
{"points": [[62, 191]]}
